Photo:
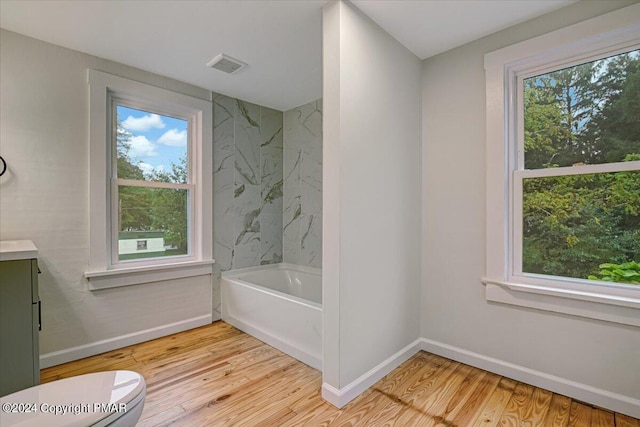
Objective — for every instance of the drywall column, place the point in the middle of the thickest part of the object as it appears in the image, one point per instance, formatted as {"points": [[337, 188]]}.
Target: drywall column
{"points": [[371, 202]]}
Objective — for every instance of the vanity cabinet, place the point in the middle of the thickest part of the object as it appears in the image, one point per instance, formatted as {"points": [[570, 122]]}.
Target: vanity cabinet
{"points": [[19, 323]]}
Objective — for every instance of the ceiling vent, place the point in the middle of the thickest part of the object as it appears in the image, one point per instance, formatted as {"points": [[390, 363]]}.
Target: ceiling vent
{"points": [[226, 63]]}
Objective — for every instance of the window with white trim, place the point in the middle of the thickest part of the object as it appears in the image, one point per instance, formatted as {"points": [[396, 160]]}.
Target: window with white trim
{"points": [[563, 170], [576, 181], [150, 183]]}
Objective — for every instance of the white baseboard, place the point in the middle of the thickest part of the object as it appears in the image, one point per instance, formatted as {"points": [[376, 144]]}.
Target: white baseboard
{"points": [[340, 397], [603, 398], [91, 349]]}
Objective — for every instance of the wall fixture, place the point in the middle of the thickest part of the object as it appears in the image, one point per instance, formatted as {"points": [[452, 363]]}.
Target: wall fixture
{"points": [[226, 64]]}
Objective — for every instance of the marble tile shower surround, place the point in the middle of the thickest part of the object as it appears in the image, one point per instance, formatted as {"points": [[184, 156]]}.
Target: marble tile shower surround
{"points": [[302, 188], [267, 186], [247, 186]]}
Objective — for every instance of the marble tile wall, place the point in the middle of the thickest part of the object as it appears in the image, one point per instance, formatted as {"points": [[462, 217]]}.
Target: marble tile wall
{"points": [[247, 186], [302, 188]]}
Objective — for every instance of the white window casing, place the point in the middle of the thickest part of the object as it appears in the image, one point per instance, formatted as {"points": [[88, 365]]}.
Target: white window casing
{"points": [[602, 36], [104, 269]]}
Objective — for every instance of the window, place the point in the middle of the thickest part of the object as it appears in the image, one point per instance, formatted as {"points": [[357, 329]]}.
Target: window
{"points": [[578, 218], [563, 171], [150, 183]]}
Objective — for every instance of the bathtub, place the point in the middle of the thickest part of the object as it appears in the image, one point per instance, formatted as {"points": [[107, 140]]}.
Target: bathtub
{"points": [[280, 304]]}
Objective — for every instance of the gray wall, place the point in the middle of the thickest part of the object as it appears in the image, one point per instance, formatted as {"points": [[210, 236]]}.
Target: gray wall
{"points": [[247, 186], [44, 197], [302, 210], [454, 309]]}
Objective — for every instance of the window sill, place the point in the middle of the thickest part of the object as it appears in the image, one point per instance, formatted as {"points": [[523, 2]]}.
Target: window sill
{"points": [[594, 305], [105, 279]]}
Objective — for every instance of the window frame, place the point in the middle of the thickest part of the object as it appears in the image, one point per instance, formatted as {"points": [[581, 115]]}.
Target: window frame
{"points": [[505, 69], [105, 269], [116, 182]]}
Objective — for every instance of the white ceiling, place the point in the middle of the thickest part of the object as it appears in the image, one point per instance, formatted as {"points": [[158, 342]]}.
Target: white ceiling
{"points": [[281, 40], [430, 27]]}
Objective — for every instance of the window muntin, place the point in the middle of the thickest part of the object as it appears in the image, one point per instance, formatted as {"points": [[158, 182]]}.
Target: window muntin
{"points": [[569, 215], [152, 183]]}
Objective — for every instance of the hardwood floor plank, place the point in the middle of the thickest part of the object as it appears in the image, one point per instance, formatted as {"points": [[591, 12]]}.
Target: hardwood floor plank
{"points": [[178, 392], [102, 362], [393, 387], [360, 411], [469, 411], [493, 409], [218, 376], [466, 388], [541, 402], [193, 340], [579, 415], [281, 404], [241, 401], [518, 408], [208, 394], [184, 374], [161, 418], [558, 413], [400, 401], [309, 401], [626, 421], [275, 419], [228, 347], [397, 381], [602, 418], [311, 415], [450, 401], [426, 403]]}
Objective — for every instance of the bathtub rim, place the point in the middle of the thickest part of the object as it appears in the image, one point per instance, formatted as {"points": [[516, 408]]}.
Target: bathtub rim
{"points": [[278, 266], [232, 276]]}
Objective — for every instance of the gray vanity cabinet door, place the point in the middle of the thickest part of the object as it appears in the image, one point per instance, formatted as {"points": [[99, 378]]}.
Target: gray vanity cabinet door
{"points": [[18, 341]]}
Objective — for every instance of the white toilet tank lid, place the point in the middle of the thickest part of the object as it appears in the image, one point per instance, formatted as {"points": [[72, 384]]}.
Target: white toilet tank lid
{"points": [[73, 402]]}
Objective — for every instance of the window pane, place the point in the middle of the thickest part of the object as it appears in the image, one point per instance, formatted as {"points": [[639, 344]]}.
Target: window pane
{"points": [[153, 222], [573, 224], [151, 147], [583, 114]]}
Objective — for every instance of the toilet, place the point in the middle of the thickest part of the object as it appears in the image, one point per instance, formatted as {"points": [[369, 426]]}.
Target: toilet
{"points": [[112, 398]]}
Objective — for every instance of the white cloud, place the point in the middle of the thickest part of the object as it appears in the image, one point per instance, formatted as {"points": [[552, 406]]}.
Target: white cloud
{"points": [[147, 169], [143, 123], [141, 147], [174, 138]]}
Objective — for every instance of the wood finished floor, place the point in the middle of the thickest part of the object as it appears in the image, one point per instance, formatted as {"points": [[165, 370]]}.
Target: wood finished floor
{"points": [[218, 376]]}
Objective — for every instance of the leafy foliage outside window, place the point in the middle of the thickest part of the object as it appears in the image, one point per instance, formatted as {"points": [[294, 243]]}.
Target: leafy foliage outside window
{"points": [[147, 209], [583, 115], [628, 272]]}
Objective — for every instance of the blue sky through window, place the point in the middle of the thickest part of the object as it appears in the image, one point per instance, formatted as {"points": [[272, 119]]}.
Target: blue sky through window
{"points": [[157, 141]]}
